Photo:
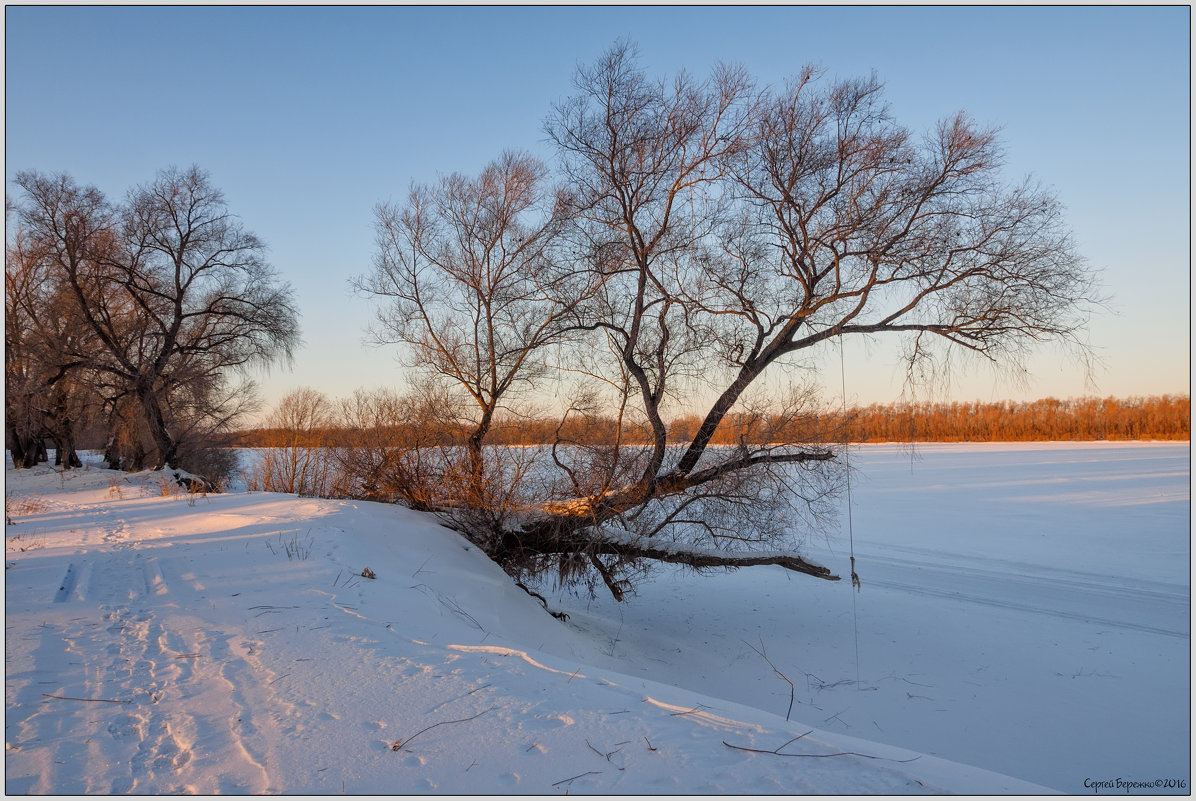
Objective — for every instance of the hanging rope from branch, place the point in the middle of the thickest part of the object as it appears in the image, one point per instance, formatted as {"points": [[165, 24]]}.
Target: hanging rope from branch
{"points": [[855, 578]]}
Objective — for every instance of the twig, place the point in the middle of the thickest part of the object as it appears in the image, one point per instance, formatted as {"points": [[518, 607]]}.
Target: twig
{"points": [[458, 698], [104, 700], [907, 681], [764, 655], [542, 599], [777, 752], [822, 685], [399, 744], [649, 742], [607, 756], [690, 711], [836, 717], [615, 639], [578, 776], [450, 603]]}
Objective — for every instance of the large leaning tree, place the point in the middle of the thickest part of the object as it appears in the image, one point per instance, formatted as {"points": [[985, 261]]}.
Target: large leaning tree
{"points": [[175, 298], [713, 233]]}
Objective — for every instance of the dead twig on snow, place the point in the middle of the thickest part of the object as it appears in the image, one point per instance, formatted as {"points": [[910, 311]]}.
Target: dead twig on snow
{"points": [[777, 751], [578, 776], [543, 600], [458, 698], [400, 743], [764, 655], [607, 756], [698, 708], [102, 700]]}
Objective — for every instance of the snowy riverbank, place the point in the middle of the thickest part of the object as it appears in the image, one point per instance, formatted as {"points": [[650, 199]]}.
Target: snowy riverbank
{"points": [[1025, 610]]}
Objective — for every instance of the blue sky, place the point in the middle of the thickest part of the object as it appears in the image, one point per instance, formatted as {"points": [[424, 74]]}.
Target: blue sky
{"points": [[308, 117]]}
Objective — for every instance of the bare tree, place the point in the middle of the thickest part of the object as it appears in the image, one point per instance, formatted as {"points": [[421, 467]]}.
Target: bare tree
{"points": [[822, 218], [472, 287], [725, 231], [174, 290], [25, 379], [645, 156], [48, 392]]}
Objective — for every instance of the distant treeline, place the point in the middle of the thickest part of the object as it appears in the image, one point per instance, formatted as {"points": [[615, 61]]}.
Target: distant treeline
{"points": [[1163, 417]]}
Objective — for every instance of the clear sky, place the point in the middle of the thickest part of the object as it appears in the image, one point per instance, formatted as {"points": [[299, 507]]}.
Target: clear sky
{"points": [[308, 117]]}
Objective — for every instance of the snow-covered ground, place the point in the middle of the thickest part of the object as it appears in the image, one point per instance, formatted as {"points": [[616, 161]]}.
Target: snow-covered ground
{"points": [[1025, 612]]}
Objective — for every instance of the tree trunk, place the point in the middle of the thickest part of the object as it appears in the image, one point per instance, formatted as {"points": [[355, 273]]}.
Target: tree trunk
{"points": [[15, 445], [35, 452], [28, 450], [477, 465], [167, 447], [65, 455]]}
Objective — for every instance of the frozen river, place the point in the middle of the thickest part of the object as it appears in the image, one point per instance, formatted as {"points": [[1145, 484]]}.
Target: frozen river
{"points": [[1024, 608]]}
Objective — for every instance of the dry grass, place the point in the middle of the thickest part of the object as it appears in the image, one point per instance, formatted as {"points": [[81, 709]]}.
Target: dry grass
{"points": [[22, 506], [19, 543]]}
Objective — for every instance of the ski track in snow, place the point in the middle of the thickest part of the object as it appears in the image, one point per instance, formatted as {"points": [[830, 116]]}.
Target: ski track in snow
{"points": [[1042, 591]]}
